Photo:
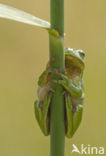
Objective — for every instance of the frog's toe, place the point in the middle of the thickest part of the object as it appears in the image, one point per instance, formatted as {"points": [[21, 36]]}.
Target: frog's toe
{"points": [[64, 77], [62, 82]]}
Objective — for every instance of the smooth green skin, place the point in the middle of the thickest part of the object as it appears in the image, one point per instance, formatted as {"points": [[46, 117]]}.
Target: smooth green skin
{"points": [[73, 93]]}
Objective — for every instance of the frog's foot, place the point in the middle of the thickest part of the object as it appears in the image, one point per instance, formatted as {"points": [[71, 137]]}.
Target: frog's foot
{"points": [[62, 77], [64, 80], [49, 71]]}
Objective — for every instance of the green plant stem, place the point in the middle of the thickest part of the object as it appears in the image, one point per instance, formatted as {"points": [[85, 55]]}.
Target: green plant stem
{"points": [[57, 126]]}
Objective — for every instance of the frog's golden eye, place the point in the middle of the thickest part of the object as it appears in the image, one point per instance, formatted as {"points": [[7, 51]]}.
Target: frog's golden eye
{"points": [[81, 53]]}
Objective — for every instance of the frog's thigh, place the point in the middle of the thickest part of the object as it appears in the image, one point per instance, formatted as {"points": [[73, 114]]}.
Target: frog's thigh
{"points": [[77, 117], [69, 116]]}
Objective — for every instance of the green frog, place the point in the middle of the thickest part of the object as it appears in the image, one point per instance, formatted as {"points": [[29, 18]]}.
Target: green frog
{"points": [[73, 93]]}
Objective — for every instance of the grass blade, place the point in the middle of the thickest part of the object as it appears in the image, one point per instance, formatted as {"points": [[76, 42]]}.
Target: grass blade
{"points": [[21, 16]]}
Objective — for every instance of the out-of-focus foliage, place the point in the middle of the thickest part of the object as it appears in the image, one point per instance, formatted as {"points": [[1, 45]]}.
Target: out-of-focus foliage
{"points": [[24, 52]]}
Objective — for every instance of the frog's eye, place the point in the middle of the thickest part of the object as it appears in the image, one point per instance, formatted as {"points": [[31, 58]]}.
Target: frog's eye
{"points": [[81, 53]]}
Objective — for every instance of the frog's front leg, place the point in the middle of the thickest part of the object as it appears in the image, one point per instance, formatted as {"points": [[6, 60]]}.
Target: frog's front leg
{"points": [[42, 113], [75, 90], [44, 77], [73, 116]]}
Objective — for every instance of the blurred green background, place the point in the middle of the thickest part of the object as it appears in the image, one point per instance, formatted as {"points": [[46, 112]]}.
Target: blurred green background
{"points": [[24, 53]]}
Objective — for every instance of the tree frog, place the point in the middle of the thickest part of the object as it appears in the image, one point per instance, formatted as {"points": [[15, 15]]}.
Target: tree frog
{"points": [[72, 83]]}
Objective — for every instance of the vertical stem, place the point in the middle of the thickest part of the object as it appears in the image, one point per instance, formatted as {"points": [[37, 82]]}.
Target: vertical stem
{"points": [[57, 126], [57, 15]]}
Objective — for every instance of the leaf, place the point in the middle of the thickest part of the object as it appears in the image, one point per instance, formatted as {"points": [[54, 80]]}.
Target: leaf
{"points": [[21, 16]]}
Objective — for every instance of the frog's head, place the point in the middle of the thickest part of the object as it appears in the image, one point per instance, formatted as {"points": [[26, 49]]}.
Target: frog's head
{"points": [[74, 61]]}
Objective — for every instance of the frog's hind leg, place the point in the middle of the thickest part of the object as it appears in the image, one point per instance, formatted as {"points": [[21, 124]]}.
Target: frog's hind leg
{"points": [[38, 112], [41, 113], [69, 116], [45, 118], [73, 117], [77, 117]]}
